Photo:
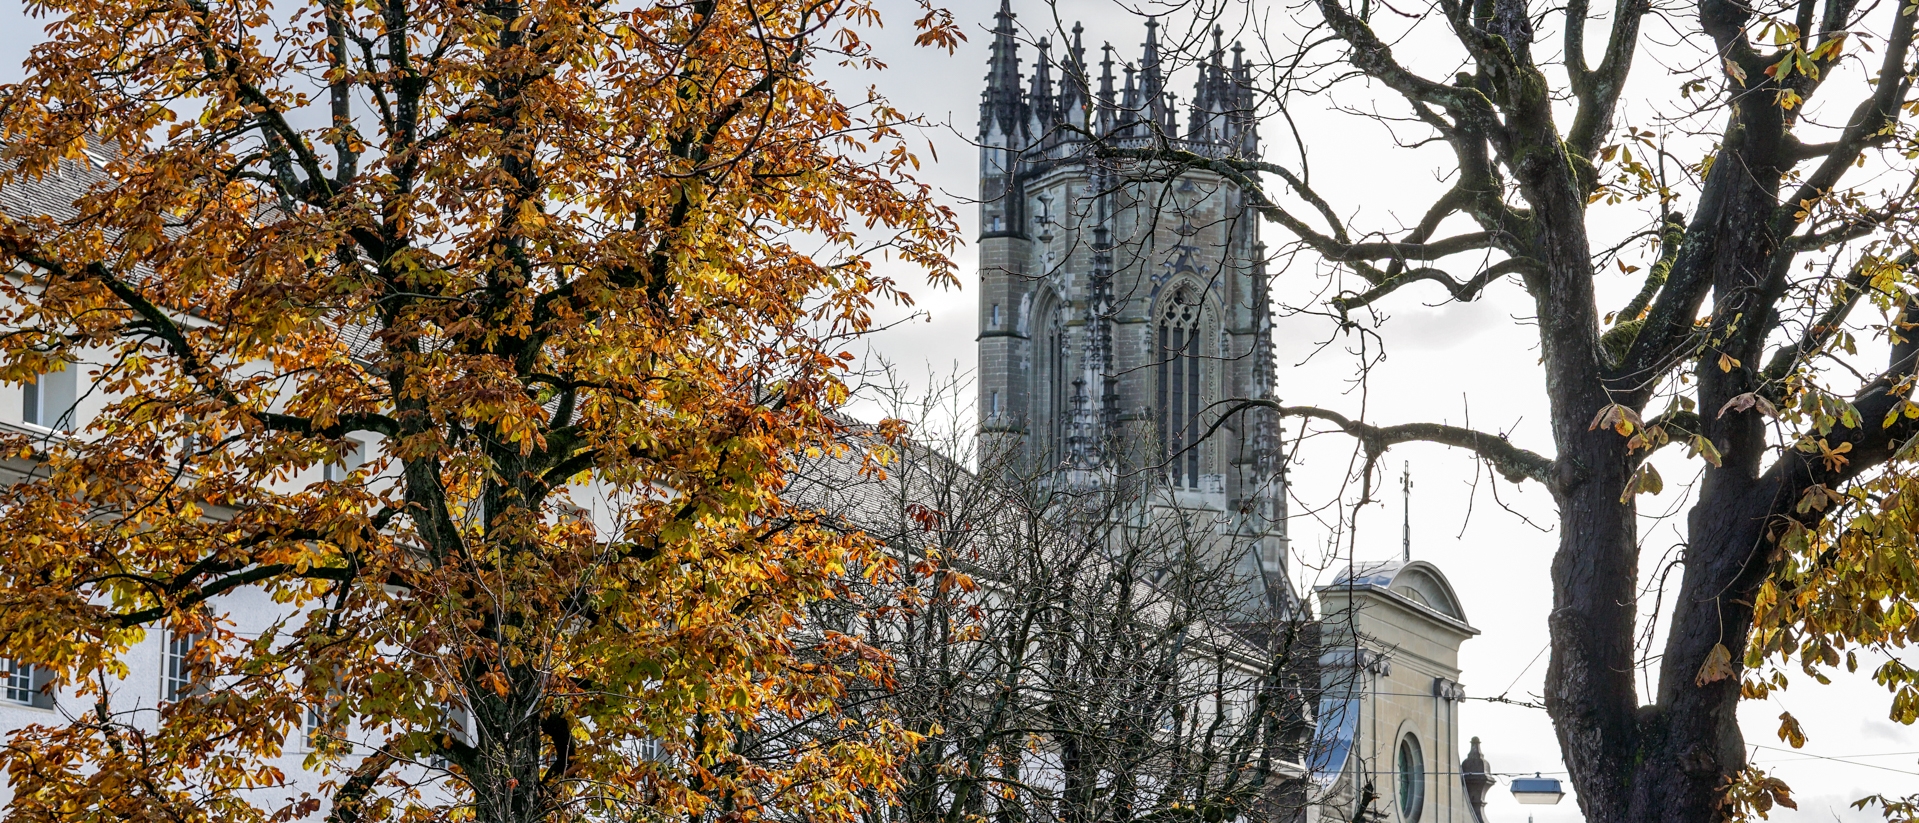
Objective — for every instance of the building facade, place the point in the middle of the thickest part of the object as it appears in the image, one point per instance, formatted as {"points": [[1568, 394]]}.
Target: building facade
{"points": [[1124, 313], [1390, 695], [1122, 309]]}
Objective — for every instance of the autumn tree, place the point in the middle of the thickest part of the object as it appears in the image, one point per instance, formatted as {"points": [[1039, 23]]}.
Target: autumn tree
{"points": [[469, 343], [1767, 330]]}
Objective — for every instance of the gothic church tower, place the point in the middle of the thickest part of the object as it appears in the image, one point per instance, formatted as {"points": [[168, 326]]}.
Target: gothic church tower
{"points": [[1123, 305]]}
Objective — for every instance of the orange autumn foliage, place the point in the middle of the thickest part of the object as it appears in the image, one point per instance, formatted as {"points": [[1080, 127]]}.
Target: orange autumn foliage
{"points": [[560, 287]]}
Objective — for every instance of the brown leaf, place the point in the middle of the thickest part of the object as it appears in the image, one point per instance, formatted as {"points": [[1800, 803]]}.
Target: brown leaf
{"points": [[1748, 401], [1718, 666]]}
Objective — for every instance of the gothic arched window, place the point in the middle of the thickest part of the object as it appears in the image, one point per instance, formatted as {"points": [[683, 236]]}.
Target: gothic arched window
{"points": [[1180, 381], [1056, 386]]}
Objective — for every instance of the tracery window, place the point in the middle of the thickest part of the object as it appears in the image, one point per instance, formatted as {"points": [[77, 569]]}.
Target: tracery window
{"points": [[1179, 381]]}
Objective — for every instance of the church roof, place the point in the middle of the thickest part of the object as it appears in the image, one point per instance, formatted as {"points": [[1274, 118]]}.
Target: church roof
{"points": [[1418, 583]]}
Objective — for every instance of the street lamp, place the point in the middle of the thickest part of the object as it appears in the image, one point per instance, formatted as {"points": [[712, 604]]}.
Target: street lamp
{"points": [[1538, 791]]}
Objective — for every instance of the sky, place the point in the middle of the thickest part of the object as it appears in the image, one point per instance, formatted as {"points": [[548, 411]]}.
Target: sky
{"points": [[1473, 362]]}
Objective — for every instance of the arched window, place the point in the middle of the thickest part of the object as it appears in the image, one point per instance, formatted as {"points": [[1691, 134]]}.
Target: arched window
{"points": [[1051, 397], [1412, 779], [1056, 386], [1179, 383]]}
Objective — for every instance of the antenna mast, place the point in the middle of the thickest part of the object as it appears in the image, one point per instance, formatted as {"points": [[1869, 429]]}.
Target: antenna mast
{"points": [[1406, 528]]}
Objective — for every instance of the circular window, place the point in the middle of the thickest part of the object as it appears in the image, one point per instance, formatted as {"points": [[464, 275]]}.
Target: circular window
{"points": [[1412, 779]]}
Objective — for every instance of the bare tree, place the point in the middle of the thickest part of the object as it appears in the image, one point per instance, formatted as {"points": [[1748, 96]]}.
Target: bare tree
{"points": [[1774, 203], [1067, 657]]}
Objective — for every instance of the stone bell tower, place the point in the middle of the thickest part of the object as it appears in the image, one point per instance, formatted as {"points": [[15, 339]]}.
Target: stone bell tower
{"points": [[1123, 301]]}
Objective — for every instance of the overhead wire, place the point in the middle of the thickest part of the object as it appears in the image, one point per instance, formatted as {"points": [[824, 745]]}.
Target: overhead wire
{"points": [[1522, 672], [1805, 755]]}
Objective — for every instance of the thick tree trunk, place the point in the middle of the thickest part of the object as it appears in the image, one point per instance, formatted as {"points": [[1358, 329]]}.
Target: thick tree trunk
{"points": [[1690, 742], [1595, 574], [1589, 678], [1671, 760]]}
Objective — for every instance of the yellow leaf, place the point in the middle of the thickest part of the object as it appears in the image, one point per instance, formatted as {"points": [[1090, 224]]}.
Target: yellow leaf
{"points": [[1645, 480], [1702, 446], [1790, 731]]}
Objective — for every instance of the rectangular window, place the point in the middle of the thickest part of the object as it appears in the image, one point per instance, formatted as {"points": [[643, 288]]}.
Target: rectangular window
{"points": [[177, 676], [315, 731], [457, 723], [995, 316], [48, 401], [320, 728], [19, 682], [25, 684], [652, 749]]}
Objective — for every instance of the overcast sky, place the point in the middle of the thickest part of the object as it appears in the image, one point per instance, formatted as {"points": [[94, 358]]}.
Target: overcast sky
{"points": [[1452, 363]]}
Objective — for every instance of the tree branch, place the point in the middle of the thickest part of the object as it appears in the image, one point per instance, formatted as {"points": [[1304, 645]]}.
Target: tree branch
{"points": [[1598, 91], [1512, 462], [1821, 332], [350, 798], [1463, 291], [1372, 56]]}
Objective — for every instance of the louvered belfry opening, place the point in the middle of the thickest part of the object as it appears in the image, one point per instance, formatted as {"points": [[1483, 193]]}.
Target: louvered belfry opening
{"points": [[1178, 388]]}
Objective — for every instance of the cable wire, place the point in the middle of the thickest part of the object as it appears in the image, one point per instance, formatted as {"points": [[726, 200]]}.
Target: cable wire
{"points": [[1811, 756]]}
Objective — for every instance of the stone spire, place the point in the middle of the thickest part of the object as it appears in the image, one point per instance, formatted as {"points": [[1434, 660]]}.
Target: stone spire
{"points": [[1130, 107], [1043, 109], [1108, 101], [1243, 113], [1213, 96], [1152, 81], [1074, 90], [1001, 105]]}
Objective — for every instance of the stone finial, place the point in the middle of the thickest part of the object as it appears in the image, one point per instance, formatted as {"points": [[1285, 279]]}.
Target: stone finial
{"points": [[1476, 773]]}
